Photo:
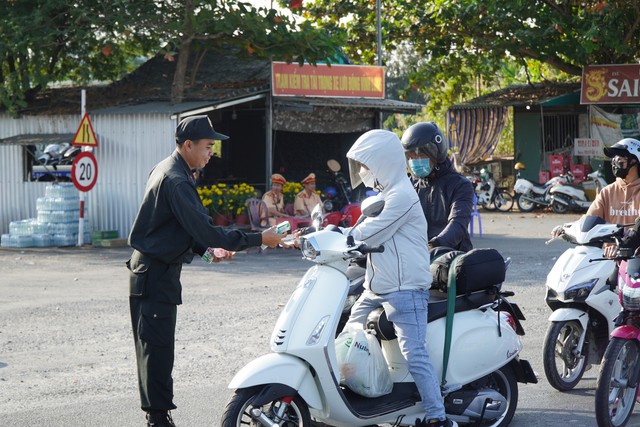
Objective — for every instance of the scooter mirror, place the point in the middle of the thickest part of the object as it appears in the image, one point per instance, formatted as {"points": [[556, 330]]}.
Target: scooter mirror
{"points": [[333, 165], [316, 216], [372, 206]]}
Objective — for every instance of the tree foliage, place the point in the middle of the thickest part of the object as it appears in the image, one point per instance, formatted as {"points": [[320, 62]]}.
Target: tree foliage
{"points": [[458, 43], [48, 41]]}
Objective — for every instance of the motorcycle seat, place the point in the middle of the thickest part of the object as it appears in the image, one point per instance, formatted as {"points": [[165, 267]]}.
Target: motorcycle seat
{"points": [[377, 319]]}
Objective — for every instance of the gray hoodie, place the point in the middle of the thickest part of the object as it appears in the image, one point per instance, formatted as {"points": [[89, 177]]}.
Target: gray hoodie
{"points": [[401, 226]]}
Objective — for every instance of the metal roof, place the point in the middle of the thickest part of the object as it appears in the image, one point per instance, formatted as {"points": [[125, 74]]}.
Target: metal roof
{"points": [[38, 139], [300, 102], [522, 95]]}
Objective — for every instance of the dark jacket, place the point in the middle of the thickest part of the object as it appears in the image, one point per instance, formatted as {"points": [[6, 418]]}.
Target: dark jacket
{"points": [[172, 225], [447, 202]]}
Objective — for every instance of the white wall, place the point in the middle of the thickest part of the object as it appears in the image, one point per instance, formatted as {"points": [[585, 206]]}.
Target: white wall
{"points": [[129, 146]]}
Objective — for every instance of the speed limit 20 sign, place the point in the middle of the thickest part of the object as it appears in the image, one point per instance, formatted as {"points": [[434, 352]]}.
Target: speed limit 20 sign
{"points": [[84, 171]]}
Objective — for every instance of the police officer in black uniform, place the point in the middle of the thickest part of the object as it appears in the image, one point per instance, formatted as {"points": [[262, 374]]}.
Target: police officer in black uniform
{"points": [[446, 196], [170, 228]]}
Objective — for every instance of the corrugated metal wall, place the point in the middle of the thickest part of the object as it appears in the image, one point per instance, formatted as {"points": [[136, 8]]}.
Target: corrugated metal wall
{"points": [[129, 146]]}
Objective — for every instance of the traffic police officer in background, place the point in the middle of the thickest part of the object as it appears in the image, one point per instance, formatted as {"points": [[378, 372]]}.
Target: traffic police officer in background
{"points": [[171, 227]]}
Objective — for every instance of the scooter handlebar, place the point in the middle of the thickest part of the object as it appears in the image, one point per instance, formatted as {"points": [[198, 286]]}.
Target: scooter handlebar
{"points": [[366, 249]]}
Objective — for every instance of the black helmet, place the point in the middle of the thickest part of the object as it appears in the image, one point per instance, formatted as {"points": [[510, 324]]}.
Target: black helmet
{"points": [[426, 138]]}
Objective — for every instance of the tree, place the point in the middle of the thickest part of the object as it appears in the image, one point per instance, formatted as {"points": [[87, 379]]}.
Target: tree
{"points": [[48, 41], [457, 42]]}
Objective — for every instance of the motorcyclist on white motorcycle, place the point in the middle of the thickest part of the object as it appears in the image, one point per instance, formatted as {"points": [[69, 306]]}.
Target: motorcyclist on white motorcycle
{"points": [[619, 202], [399, 278]]}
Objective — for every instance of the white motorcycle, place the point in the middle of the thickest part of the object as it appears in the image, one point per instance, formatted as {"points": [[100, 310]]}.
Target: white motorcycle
{"points": [[566, 197], [300, 379], [488, 195], [530, 195], [583, 301]]}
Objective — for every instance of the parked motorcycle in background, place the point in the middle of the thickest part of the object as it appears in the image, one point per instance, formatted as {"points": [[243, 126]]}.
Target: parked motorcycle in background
{"points": [[530, 195], [339, 204], [583, 303], [617, 384], [488, 195], [565, 197]]}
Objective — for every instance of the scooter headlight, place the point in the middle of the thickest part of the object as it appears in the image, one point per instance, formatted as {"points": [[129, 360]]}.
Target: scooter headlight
{"points": [[581, 291], [630, 298], [309, 250]]}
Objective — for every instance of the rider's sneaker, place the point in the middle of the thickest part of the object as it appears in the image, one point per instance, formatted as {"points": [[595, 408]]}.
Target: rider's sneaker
{"points": [[436, 423], [159, 419]]}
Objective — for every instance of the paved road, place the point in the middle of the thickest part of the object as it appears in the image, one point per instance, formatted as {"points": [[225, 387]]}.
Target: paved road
{"points": [[66, 355]]}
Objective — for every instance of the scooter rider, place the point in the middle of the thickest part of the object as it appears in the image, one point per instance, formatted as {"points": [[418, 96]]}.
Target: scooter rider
{"points": [[446, 196], [618, 202], [399, 278]]}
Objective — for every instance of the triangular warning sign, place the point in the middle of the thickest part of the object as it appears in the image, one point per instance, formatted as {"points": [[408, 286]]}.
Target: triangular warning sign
{"points": [[85, 134]]}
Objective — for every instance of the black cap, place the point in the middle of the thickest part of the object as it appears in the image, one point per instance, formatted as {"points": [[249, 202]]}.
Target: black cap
{"points": [[195, 128]]}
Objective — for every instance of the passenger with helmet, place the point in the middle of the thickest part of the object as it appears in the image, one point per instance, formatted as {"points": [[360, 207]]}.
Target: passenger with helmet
{"points": [[445, 195], [618, 202], [274, 199], [399, 278]]}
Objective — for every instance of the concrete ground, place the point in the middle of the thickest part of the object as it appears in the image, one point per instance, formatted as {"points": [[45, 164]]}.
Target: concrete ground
{"points": [[66, 352]]}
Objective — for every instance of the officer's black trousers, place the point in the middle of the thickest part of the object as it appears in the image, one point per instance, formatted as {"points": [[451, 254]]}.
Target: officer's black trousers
{"points": [[154, 325]]}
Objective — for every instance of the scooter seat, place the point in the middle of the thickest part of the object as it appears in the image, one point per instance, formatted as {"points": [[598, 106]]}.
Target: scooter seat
{"points": [[377, 319]]}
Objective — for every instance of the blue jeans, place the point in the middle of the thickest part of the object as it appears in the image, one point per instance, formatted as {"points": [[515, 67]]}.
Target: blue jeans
{"points": [[408, 312]]}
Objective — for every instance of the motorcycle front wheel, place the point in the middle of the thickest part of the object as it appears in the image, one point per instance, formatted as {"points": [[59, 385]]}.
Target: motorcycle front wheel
{"points": [[523, 204], [563, 366], [238, 412], [614, 399], [559, 208], [503, 201]]}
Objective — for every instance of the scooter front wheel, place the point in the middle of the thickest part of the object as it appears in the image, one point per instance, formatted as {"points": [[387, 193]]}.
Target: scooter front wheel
{"points": [[614, 399], [563, 361], [240, 412], [523, 204]]}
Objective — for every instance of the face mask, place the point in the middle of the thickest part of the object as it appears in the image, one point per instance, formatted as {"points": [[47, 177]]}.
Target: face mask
{"points": [[420, 167], [619, 171], [367, 178]]}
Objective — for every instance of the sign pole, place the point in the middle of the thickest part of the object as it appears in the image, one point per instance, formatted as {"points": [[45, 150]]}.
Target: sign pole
{"points": [[83, 98]]}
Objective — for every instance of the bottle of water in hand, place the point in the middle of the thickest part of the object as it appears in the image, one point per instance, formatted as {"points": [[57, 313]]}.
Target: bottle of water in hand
{"points": [[283, 228]]}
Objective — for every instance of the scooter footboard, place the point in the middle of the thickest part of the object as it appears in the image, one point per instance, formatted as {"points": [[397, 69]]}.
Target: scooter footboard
{"points": [[275, 368], [523, 371]]}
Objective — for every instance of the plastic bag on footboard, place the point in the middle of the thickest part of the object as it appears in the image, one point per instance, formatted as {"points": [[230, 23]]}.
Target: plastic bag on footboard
{"points": [[363, 368]]}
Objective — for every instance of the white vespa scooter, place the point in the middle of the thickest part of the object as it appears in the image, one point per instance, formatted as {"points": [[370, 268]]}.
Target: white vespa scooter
{"points": [[300, 378], [584, 303]]}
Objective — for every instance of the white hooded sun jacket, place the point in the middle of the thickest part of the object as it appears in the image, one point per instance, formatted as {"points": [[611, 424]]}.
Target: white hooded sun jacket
{"points": [[401, 226]]}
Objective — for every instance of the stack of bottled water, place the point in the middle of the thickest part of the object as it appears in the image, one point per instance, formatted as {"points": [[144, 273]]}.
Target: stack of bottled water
{"points": [[57, 221]]}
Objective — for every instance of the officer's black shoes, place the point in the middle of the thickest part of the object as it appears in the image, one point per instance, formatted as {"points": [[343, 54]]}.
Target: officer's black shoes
{"points": [[159, 419]]}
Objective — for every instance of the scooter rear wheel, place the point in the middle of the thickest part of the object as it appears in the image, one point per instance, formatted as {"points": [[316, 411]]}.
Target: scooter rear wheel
{"points": [[236, 413], [523, 204], [614, 400], [561, 365]]}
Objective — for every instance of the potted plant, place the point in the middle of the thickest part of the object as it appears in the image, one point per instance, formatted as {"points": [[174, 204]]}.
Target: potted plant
{"points": [[214, 198]]}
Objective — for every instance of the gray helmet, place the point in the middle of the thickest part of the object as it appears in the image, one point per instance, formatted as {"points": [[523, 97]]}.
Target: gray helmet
{"points": [[428, 139]]}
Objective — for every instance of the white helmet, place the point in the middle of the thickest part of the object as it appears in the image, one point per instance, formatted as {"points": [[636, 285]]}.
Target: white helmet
{"points": [[624, 147]]}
